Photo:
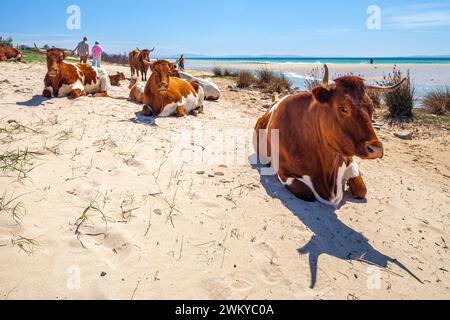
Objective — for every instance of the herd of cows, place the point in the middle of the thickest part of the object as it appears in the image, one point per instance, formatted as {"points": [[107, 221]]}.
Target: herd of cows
{"points": [[318, 132]]}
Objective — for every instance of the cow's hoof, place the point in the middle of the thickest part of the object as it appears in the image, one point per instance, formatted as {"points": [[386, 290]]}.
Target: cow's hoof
{"points": [[194, 113], [147, 111]]}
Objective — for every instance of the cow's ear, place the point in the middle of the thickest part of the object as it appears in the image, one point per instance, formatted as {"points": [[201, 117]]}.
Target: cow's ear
{"points": [[67, 54], [321, 94]]}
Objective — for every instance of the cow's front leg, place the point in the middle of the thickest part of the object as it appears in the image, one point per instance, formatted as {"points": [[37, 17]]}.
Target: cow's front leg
{"points": [[47, 93], [357, 187], [147, 111], [180, 111], [298, 188], [76, 93], [200, 110]]}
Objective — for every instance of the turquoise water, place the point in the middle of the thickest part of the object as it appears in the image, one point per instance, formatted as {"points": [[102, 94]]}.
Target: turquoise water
{"points": [[362, 60]]}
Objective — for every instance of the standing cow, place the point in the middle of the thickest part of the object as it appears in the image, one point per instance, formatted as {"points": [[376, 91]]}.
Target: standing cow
{"points": [[73, 80], [165, 96], [319, 133], [139, 62]]}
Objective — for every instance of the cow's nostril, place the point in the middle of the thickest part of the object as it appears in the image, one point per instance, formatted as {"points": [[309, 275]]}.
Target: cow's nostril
{"points": [[375, 150]]}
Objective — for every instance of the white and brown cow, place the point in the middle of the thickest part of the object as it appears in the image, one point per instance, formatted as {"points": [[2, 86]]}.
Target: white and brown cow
{"points": [[72, 80], [10, 54], [319, 133], [165, 96]]}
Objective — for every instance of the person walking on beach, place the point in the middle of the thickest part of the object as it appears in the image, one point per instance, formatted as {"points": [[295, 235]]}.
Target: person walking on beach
{"points": [[180, 62], [97, 52], [82, 50]]}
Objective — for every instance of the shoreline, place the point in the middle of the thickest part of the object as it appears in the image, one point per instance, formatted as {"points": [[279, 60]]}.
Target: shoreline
{"points": [[425, 77]]}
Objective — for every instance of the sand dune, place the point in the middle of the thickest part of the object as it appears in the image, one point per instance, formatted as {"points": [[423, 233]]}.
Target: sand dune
{"points": [[105, 212]]}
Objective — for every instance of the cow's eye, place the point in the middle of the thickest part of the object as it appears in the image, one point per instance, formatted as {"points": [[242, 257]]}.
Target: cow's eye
{"points": [[343, 109]]}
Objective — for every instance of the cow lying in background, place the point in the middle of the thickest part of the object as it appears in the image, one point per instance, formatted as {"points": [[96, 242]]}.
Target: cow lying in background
{"points": [[115, 79], [139, 62], [319, 134], [73, 80], [211, 90], [136, 90], [10, 54], [165, 95]]}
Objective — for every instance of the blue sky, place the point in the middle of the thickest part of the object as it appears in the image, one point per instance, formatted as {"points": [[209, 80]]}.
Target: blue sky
{"points": [[237, 27]]}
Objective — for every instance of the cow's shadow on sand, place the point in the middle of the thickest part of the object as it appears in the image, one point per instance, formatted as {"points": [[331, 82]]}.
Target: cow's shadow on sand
{"points": [[141, 119], [35, 101], [331, 236]]}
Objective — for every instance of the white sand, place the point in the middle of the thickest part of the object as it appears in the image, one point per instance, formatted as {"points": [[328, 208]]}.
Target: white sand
{"points": [[192, 236]]}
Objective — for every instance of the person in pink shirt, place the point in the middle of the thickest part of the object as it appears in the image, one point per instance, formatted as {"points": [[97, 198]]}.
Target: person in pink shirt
{"points": [[97, 52]]}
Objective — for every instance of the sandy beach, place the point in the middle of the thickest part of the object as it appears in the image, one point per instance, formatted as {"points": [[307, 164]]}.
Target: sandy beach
{"points": [[98, 208]]}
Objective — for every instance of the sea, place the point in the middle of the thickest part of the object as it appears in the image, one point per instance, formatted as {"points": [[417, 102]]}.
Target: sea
{"points": [[428, 73]]}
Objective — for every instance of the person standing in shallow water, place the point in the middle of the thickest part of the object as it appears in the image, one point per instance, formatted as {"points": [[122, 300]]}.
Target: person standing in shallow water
{"points": [[180, 62], [82, 50], [97, 52]]}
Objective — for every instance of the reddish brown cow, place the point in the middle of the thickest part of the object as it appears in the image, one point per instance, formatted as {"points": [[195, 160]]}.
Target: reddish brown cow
{"points": [[10, 54], [115, 79], [319, 133], [73, 80], [165, 95], [139, 62]]}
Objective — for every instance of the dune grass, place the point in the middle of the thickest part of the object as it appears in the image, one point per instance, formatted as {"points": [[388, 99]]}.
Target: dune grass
{"points": [[18, 162], [437, 101], [9, 205], [269, 81], [245, 79], [33, 56]]}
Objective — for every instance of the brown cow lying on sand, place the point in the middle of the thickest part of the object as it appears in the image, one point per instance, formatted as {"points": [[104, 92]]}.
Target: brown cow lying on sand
{"points": [[73, 80], [139, 62], [115, 79], [165, 95], [10, 54], [319, 134]]}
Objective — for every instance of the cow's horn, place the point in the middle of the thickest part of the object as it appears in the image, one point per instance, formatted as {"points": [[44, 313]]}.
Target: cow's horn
{"points": [[326, 77], [385, 89], [152, 49], [38, 49]]}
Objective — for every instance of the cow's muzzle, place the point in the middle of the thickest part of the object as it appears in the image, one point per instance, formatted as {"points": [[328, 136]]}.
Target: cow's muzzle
{"points": [[374, 150], [53, 72]]}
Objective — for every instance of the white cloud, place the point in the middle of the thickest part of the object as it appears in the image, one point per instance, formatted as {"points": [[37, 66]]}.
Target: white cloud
{"points": [[418, 16]]}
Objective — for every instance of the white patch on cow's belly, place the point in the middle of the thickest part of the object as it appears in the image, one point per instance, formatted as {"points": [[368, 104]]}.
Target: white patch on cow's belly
{"points": [[169, 110], [66, 89], [336, 198], [190, 103]]}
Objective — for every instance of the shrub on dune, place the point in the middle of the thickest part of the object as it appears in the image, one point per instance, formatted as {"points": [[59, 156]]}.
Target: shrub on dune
{"points": [[245, 79], [269, 81], [376, 99], [218, 72], [437, 101], [313, 79], [400, 102]]}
